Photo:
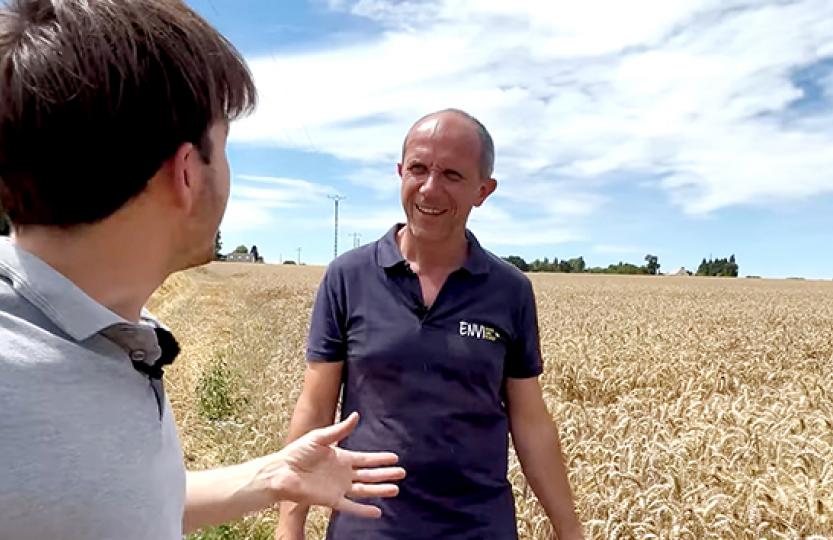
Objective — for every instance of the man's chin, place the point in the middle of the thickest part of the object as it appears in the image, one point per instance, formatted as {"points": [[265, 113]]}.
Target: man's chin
{"points": [[428, 234], [194, 260]]}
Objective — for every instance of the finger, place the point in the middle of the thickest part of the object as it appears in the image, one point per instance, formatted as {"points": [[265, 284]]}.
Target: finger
{"points": [[384, 474], [362, 510], [332, 434], [363, 491], [371, 459]]}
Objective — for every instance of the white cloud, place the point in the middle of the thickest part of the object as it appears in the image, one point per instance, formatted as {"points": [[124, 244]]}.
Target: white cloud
{"points": [[242, 215], [381, 179], [289, 190], [693, 92], [253, 200], [539, 232]]}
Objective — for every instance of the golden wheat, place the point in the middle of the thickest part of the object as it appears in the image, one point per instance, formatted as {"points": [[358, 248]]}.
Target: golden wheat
{"points": [[687, 407]]}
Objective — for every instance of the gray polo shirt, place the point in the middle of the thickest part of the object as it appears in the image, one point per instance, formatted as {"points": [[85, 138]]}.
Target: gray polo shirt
{"points": [[88, 444]]}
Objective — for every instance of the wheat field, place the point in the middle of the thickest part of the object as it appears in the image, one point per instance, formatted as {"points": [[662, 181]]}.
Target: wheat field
{"points": [[687, 407]]}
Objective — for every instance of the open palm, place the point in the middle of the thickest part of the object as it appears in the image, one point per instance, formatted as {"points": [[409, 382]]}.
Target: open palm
{"points": [[317, 472]]}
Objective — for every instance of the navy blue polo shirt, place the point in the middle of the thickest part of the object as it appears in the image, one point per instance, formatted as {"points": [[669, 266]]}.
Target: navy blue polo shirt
{"points": [[429, 385]]}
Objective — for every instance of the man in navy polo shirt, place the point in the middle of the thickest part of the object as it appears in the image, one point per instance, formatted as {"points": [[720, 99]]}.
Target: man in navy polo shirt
{"points": [[434, 341]]}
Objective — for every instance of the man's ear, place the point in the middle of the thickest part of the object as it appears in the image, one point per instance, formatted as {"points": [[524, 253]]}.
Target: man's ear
{"points": [[486, 188], [399, 169], [182, 172]]}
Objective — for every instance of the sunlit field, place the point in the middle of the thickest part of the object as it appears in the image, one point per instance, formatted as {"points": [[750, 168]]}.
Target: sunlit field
{"points": [[687, 407]]}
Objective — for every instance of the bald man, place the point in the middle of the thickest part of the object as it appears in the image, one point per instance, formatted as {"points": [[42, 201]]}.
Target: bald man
{"points": [[434, 341]]}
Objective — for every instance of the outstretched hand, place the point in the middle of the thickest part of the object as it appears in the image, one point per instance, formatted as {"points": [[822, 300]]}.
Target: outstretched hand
{"points": [[315, 471]]}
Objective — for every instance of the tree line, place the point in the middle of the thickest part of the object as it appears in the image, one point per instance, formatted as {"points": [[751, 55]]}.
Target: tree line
{"points": [[718, 267], [708, 267], [711, 267]]}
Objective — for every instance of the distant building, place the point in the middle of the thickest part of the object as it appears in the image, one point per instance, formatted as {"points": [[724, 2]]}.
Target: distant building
{"points": [[681, 272], [240, 257]]}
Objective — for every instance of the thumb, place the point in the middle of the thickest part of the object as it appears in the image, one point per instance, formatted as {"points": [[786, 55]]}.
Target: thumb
{"points": [[333, 434]]}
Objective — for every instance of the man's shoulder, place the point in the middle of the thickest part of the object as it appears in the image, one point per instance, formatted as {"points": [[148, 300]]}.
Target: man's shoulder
{"points": [[354, 262], [19, 318], [505, 272], [26, 334]]}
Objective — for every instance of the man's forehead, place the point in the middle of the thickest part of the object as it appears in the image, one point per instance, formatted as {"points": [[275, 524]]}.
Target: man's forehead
{"points": [[455, 132], [426, 127]]}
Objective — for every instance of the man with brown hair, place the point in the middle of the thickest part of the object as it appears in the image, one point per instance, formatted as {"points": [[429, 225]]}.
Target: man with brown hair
{"points": [[113, 123]]}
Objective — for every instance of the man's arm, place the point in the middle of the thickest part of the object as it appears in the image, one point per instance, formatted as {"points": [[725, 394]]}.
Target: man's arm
{"points": [[539, 451], [316, 407], [310, 470]]}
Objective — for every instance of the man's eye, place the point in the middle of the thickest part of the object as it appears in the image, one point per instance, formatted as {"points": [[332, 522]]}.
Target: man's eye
{"points": [[417, 169]]}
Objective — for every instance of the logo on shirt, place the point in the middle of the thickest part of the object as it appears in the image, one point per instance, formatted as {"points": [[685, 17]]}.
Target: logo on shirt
{"points": [[478, 331]]}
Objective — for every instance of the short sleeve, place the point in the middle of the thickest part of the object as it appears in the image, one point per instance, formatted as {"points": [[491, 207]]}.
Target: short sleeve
{"points": [[327, 340], [524, 359]]}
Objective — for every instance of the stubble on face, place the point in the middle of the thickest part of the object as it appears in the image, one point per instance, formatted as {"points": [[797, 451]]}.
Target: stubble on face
{"points": [[211, 204]]}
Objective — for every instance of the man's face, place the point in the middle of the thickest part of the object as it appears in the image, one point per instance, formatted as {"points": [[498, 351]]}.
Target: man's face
{"points": [[212, 198], [441, 180]]}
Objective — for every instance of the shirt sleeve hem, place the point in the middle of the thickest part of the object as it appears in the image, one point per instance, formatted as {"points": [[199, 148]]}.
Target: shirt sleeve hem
{"points": [[526, 374], [324, 357]]}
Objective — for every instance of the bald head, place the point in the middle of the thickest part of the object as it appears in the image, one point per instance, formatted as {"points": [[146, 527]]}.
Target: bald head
{"points": [[487, 146]]}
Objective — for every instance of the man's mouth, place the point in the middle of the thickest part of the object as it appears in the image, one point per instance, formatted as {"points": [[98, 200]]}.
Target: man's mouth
{"points": [[430, 211]]}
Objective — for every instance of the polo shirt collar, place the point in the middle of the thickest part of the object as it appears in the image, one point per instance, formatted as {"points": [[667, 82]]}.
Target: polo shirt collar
{"points": [[388, 254], [58, 298]]}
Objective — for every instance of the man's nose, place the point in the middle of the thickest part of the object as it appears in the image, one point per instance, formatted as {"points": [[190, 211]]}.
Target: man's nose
{"points": [[431, 182]]}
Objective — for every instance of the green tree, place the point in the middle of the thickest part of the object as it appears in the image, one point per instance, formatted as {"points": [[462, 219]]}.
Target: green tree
{"points": [[241, 249], [652, 264], [256, 254], [218, 246], [577, 265], [719, 267], [540, 266], [518, 262], [732, 267]]}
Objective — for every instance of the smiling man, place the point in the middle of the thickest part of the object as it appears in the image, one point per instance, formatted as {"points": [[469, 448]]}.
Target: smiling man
{"points": [[434, 341]]}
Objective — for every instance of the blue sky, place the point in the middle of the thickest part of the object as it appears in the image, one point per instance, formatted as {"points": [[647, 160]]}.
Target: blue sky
{"points": [[683, 129]]}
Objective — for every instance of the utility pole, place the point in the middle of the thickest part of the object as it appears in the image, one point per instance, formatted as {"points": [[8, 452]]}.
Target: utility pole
{"points": [[299, 256], [356, 239], [335, 199]]}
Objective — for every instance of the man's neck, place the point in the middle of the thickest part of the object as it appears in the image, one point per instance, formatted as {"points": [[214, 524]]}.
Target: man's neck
{"points": [[434, 257], [117, 268]]}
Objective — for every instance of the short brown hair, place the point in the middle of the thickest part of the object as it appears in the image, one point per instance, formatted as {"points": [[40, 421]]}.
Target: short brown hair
{"points": [[96, 95]]}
